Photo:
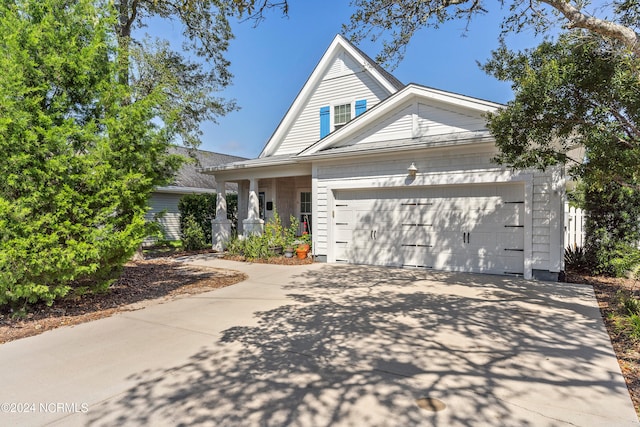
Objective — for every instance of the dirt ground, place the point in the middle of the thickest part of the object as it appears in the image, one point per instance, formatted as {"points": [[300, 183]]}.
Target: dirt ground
{"points": [[156, 280]]}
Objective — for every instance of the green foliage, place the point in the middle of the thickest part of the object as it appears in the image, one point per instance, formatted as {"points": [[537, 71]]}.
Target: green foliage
{"points": [[274, 232], [575, 259], [392, 24], [291, 232], [577, 91], [232, 211], [193, 237], [613, 229], [78, 156], [200, 208], [583, 92], [616, 260], [626, 315], [263, 245], [257, 246], [190, 78]]}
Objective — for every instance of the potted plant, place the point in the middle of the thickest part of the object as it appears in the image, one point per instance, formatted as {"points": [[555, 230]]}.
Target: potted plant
{"points": [[302, 250], [288, 252]]}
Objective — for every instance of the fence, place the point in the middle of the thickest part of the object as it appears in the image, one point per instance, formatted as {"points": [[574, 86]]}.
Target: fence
{"points": [[574, 226]]}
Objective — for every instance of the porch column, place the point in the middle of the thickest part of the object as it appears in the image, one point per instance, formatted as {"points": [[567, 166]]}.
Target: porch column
{"points": [[253, 224], [220, 225]]}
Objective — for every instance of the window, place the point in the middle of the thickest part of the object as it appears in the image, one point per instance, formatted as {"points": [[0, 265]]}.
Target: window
{"points": [[305, 212], [341, 115], [261, 200]]}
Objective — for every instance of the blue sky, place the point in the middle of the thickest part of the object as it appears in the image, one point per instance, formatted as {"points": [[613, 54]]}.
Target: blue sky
{"points": [[272, 61]]}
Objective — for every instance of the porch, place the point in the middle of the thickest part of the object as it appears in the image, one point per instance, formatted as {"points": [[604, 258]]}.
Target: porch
{"points": [[259, 198]]}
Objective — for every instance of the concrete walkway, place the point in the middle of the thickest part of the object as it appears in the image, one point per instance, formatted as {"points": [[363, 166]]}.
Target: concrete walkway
{"points": [[324, 345]]}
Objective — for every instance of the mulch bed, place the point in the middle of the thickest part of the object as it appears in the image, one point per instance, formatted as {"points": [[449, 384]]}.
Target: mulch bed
{"points": [[627, 350], [141, 283]]}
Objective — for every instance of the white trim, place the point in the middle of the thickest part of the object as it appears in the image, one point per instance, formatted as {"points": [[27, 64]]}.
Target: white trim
{"points": [[528, 226], [438, 179], [318, 73], [184, 190], [410, 94], [332, 114]]}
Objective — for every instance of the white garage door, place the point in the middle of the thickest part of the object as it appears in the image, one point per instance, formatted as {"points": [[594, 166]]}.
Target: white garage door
{"points": [[474, 228]]}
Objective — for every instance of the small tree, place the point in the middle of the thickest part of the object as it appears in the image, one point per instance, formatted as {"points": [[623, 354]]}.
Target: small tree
{"points": [[579, 92], [77, 162]]}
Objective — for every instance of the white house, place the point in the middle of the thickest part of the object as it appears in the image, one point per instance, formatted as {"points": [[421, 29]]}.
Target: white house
{"points": [[397, 175]]}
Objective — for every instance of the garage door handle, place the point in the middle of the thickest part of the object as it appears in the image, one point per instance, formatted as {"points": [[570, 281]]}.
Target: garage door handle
{"points": [[464, 237], [468, 237]]}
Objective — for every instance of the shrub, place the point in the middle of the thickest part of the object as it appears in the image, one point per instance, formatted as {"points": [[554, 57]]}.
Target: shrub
{"points": [[626, 316], [193, 237], [77, 164], [613, 229], [575, 259], [274, 235], [199, 208], [202, 207]]}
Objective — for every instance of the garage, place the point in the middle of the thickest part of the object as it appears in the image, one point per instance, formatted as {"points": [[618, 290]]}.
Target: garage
{"points": [[474, 228]]}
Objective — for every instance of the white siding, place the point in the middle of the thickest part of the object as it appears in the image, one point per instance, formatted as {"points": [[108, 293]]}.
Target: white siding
{"points": [[347, 86], [415, 120], [471, 164], [170, 220]]}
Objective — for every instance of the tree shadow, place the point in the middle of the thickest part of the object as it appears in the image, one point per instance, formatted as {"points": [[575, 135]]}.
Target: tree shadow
{"points": [[358, 345]]}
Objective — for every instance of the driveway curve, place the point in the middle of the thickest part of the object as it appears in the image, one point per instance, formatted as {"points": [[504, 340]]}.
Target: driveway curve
{"points": [[329, 345]]}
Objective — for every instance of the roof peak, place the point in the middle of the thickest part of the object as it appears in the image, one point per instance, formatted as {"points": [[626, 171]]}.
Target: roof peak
{"points": [[385, 79]]}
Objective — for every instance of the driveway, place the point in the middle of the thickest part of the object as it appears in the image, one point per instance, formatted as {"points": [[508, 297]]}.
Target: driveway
{"points": [[325, 345]]}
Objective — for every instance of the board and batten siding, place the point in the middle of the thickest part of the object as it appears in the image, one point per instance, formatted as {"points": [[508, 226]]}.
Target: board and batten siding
{"points": [[443, 166], [351, 83]]}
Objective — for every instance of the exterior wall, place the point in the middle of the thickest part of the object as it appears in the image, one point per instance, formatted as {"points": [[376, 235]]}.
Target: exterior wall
{"points": [[285, 200], [335, 88], [442, 166], [170, 221], [548, 221], [416, 119]]}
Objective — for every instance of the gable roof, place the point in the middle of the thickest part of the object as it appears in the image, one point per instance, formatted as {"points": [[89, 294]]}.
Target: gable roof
{"points": [[189, 177], [335, 140], [390, 84]]}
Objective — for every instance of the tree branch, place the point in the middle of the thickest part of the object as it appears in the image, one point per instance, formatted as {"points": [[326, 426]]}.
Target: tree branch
{"points": [[578, 19]]}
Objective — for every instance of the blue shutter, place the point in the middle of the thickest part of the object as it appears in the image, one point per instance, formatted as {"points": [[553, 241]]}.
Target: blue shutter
{"points": [[325, 122], [361, 107]]}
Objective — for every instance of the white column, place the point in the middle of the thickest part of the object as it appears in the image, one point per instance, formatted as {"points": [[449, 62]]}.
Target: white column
{"points": [[253, 224], [220, 226], [556, 220]]}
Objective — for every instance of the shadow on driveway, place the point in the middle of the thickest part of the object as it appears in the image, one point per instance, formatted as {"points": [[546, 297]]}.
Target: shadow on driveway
{"points": [[357, 345]]}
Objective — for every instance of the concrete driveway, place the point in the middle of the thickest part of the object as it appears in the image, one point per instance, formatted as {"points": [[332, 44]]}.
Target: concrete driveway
{"points": [[325, 345]]}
